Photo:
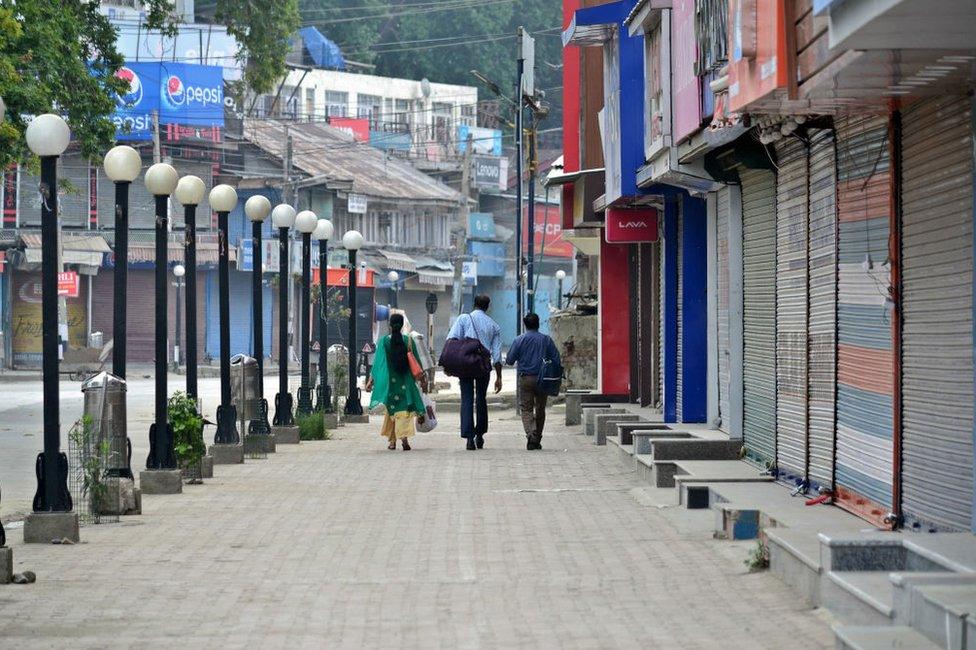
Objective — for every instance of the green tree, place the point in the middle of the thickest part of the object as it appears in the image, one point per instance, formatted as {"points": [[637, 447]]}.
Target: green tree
{"points": [[263, 29], [63, 60]]}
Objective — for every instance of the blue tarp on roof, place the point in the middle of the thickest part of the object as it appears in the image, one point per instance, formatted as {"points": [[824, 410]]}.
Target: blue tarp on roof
{"points": [[325, 53]]}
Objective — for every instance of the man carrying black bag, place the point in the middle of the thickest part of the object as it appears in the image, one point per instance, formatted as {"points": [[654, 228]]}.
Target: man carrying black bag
{"points": [[473, 348], [539, 375]]}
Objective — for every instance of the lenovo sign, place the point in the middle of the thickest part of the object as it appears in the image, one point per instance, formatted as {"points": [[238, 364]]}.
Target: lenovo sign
{"points": [[631, 225]]}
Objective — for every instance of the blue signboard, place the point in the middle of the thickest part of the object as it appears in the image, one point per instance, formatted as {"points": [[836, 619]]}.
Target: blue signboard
{"points": [[490, 257], [387, 141], [186, 94], [481, 225], [486, 141], [245, 255]]}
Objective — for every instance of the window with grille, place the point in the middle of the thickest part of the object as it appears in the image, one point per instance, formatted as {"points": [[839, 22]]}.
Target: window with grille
{"points": [[336, 104], [370, 107]]}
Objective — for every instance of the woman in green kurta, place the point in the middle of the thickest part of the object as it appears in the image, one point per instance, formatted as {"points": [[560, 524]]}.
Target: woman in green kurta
{"points": [[393, 385]]}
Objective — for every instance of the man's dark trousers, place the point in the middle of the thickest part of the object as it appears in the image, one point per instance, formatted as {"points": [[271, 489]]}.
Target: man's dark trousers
{"points": [[533, 406], [474, 406]]}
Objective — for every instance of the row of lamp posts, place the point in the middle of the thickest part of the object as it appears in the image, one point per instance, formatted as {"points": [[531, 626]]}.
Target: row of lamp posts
{"points": [[48, 137]]}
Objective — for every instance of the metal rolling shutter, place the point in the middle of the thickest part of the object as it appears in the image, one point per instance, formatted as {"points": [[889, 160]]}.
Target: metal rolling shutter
{"points": [[791, 310], [937, 343], [759, 314], [864, 344], [241, 315], [723, 208], [822, 327], [661, 284], [679, 247], [140, 321]]}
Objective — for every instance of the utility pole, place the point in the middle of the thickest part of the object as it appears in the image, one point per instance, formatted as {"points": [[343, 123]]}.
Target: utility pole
{"points": [[461, 229], [157, 155], [289, 199], [518, 185], [530, 266]]}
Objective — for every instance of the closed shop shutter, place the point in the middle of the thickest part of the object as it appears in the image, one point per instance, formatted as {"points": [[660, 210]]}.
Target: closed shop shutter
{"points": [[822, 341], [759, 314], [791, 310], [723, 208], [864, 345], [241, 318], [679, 246], [937, 343], [661, 283], [140, 316]]}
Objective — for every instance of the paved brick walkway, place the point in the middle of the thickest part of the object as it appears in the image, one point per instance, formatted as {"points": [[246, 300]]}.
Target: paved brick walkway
{"points": [[345, 544]]}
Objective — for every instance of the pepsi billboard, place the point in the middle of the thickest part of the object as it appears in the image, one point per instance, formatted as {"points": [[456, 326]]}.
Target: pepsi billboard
{"points": [[184, 94]]}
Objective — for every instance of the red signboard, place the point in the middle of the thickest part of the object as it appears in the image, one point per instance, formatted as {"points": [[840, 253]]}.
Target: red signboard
{"points": [[69, 284], [357, 127], [631, 225], [340, 278], [549, 240]]}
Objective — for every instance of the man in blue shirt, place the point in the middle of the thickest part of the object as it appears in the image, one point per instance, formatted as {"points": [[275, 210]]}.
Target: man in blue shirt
{"points": [[529, 350], [478, 325]]}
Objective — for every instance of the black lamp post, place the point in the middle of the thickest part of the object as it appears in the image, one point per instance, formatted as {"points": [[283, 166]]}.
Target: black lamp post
{"points": [[323, 233], [394, 279], [223, 198], [352, 241], [257, 209], [122, 166], [161, 181], [48, 137], [305, 223], [283, 218], [189, 192]]}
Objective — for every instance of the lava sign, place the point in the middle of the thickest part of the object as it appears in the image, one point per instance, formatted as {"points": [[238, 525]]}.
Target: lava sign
{"points": [[631, 225], [182, 93]]}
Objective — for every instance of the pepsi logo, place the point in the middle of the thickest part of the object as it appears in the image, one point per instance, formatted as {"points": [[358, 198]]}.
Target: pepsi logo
{"points": [[175, 90], [133, 95]]}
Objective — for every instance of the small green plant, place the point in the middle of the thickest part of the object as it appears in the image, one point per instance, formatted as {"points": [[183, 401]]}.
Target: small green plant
{"points": [[95, 456], [758, 559], [187, 425], [312, 426]]}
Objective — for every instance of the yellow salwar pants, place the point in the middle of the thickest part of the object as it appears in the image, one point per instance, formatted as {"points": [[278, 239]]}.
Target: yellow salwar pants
{"points": [[400, 425]]}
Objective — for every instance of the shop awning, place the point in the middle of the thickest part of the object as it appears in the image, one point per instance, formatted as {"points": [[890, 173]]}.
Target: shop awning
{"points": [[435, 277], [585, 241], [399, 261], [569, 177], [593, 25], [81, 249], [144, 252]]}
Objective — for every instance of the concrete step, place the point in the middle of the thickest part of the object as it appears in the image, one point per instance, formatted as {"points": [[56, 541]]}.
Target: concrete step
{"points": [[589, 417], [794, 558], [642, 437], [866, 637], [625, 452], [858, 597], [942, 612], [625, 429], [605, 424], [906, 584]]}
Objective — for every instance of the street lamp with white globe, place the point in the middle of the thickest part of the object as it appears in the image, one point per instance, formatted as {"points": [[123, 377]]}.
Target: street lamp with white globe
{"points": [[257, 208], [283, 218], [161, 180], [178, 272], [223, 199], [48, 137], [560, 276], [394, 279], [352, 241], [190, 191], [122, 165], [323, 233], [305, 223]]}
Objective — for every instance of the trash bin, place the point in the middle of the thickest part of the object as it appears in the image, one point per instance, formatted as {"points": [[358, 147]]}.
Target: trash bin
{"points": [[104, 404], [244, 386]]}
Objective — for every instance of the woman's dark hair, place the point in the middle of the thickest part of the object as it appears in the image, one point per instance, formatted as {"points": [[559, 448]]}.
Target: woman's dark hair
{"points": [[398, 348]]}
